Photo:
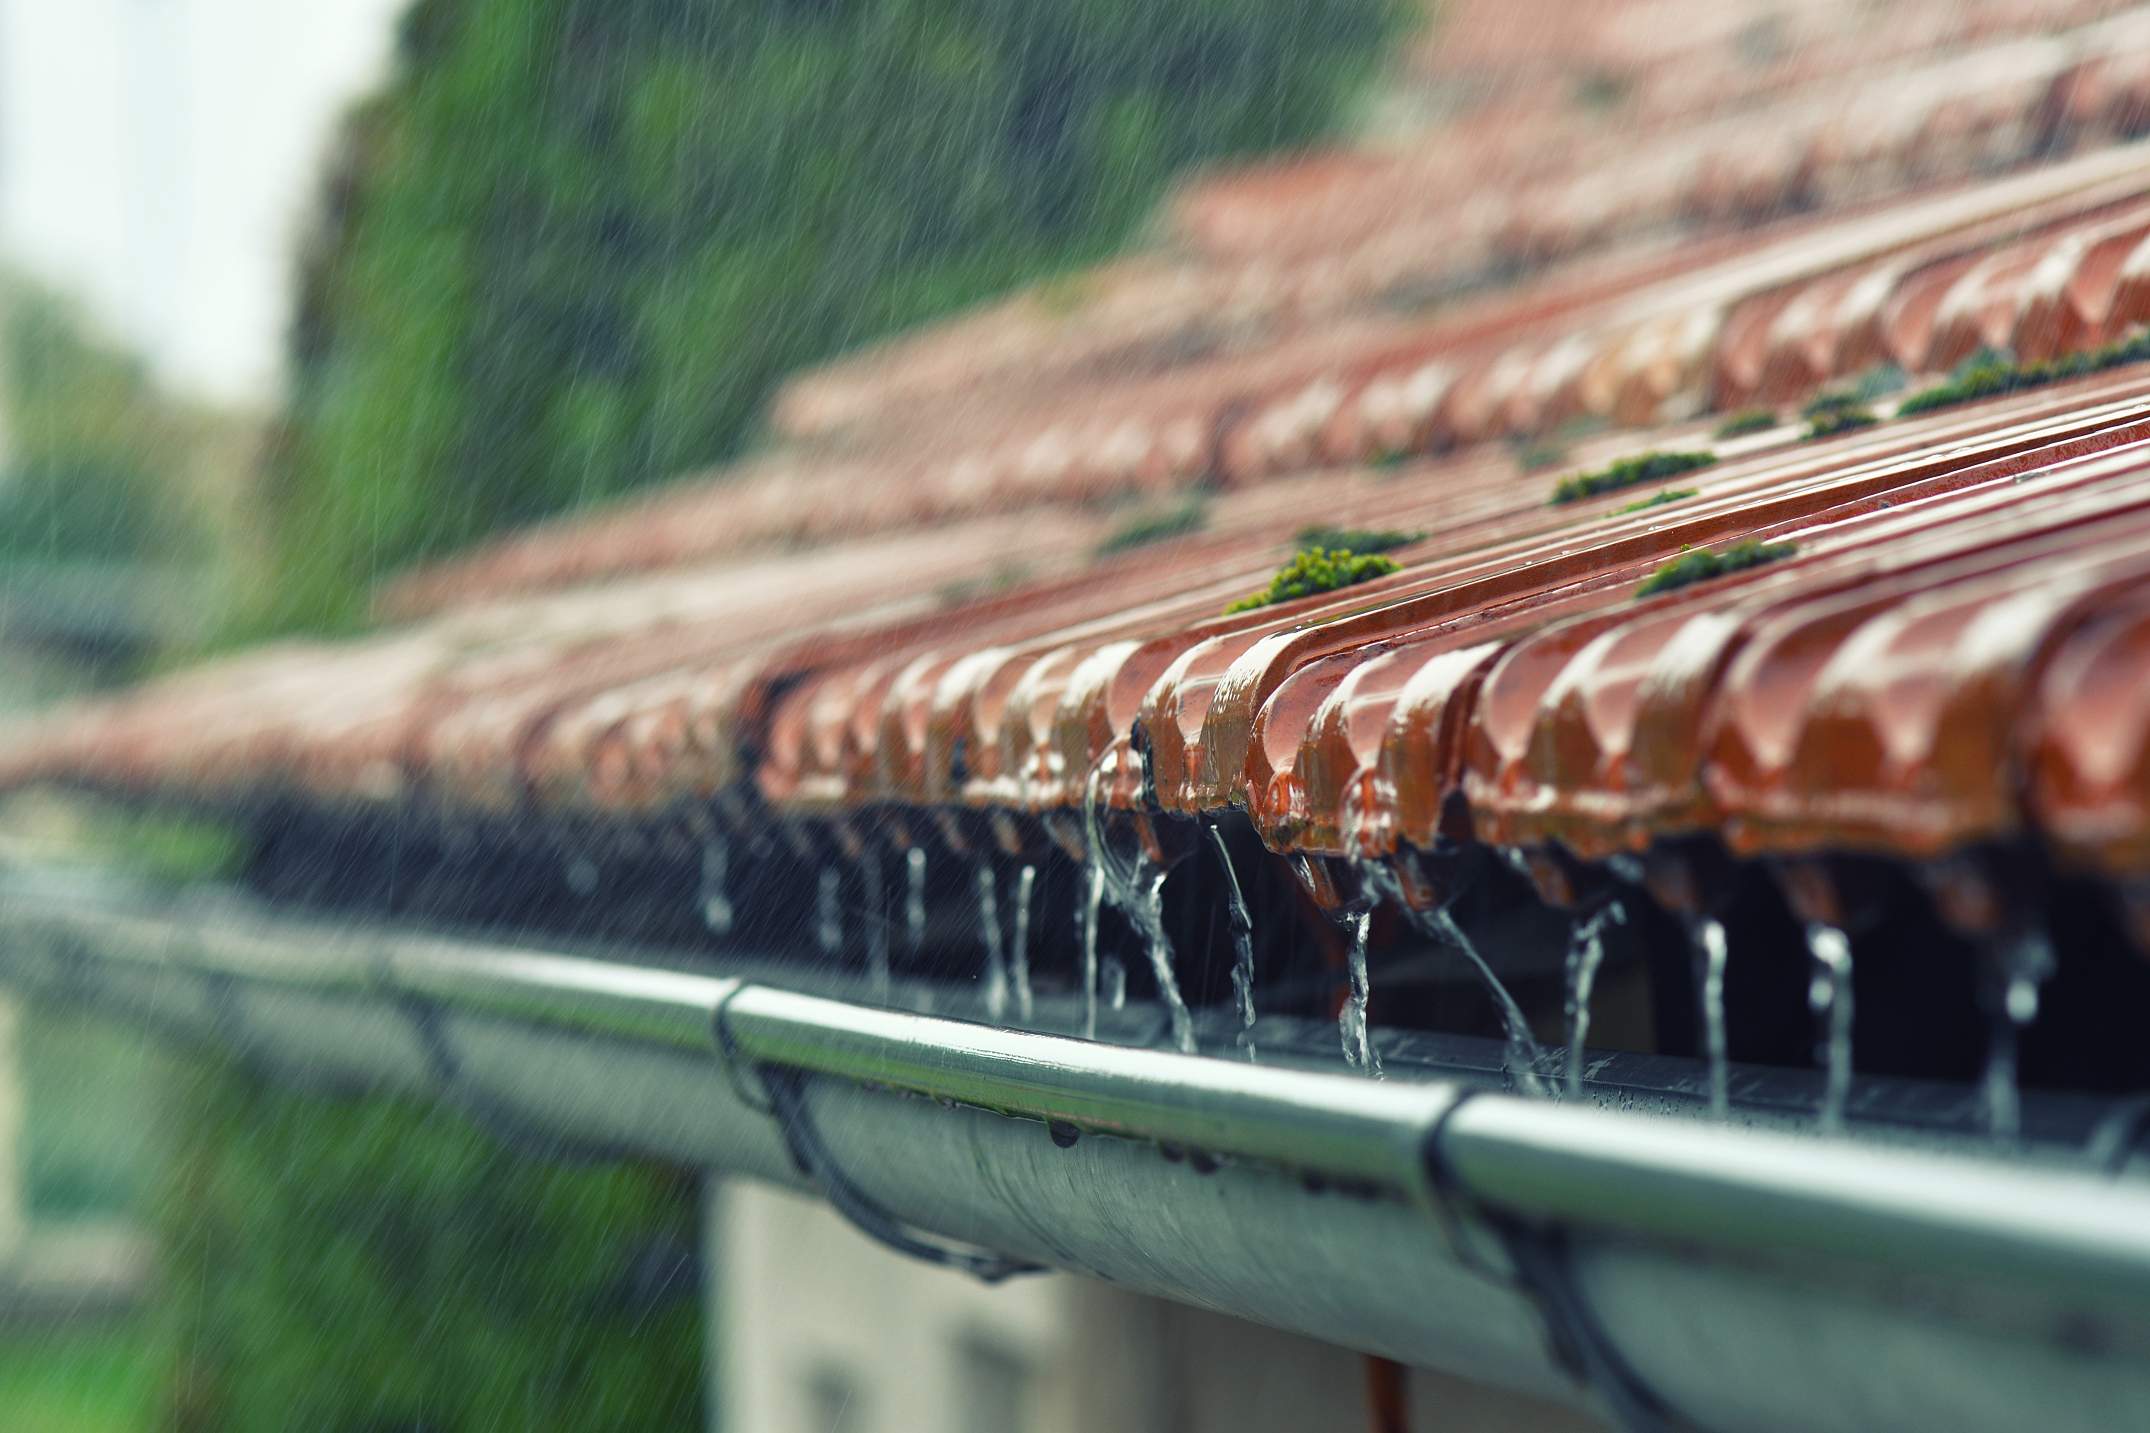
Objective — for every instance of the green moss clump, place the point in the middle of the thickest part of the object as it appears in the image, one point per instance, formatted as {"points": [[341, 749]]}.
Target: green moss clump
{"points": [[1316, 569], [1832, 421], [1701, 565], [1989, 373], [1356, 539], [367, 1263], [1659, 499], [1156, 525], [1628, 473], [1747, 420]]}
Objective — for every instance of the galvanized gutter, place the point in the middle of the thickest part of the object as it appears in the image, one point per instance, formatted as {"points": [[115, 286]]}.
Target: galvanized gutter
{"points": [[1701, 1274]]}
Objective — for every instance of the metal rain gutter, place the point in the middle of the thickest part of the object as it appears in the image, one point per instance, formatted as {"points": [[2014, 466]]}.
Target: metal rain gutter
{"points": [[1683, 1273]]}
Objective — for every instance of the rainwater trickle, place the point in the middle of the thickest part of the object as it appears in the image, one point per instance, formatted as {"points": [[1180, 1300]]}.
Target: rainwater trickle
{"points": [[1711, 950], [1026, 883], [1525, 1059], [1586, 953], [2024, 964], [1351, 1020], [1242, 942], [1114, 976], [829, 913], [1829, 998], [1093, 900], [996, 963], [716, 896], [1137, 890], [914, 898], [1159, 946], [877, 964]]}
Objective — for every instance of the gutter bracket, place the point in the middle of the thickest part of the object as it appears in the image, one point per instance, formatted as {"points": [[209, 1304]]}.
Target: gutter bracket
{"points": [[459, 1093], [787, 1092], [784, 1100], [1541, 1268]]}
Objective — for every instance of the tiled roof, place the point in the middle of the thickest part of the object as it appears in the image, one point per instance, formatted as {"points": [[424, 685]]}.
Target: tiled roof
{"points": [[1950, 649]]}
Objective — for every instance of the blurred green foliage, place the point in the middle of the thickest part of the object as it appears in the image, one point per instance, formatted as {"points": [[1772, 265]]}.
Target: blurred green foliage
{"points": [[79, 1378], [1151, 525], [94, 456], [574, 243], [363, 1264]]}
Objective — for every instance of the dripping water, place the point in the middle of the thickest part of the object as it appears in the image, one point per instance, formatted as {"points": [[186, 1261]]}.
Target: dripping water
{"points": [[1160, 949], [1138, 891], [1351, 1021], [1242, 942], [1093, 899], [1525, 1059], [2025, 962], [877, 966], [1026, 882], [1829, 998], [1711, 950], [914, 898], [716, 888], [996, 964], [829, 913], [1115, 978], [1586, 953]]}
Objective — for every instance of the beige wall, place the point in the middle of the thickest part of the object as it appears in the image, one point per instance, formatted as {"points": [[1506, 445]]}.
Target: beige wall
{"points": [[819, 1330], [14, 1207]]}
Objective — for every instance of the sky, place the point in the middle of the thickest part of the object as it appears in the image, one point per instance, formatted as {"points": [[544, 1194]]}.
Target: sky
{"points": [[158, 158]]}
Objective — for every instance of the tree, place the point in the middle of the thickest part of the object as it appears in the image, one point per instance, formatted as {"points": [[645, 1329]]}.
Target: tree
{"points": [[574, 243]]}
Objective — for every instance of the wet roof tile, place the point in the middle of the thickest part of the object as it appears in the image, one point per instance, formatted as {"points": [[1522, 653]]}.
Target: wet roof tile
{"points": [[1956, 652]]}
